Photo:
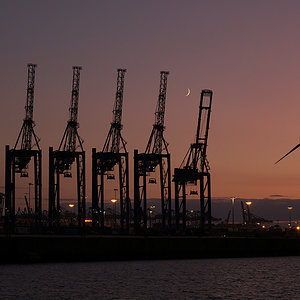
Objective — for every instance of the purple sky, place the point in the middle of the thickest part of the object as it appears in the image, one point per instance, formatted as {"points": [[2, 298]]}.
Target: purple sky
{"points": [[247, 52]]}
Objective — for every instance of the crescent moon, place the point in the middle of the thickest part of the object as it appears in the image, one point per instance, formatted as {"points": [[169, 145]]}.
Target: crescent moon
{"points": [[188, 92]]}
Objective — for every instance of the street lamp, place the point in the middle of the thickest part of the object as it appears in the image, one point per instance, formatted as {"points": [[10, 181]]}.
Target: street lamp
{"points": [[150, 217], [290, 215], [114, 201], [248, 203], [71, 205]]}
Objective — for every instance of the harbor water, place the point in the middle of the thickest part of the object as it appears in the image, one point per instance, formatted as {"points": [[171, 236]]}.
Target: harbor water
{"points": [[230, 278]]}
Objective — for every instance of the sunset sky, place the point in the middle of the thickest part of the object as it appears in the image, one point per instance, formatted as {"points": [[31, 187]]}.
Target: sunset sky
{"points": [[247, 52]]}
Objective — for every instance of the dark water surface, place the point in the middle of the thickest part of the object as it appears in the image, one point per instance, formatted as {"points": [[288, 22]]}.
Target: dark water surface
{"points": [[234, 278]]}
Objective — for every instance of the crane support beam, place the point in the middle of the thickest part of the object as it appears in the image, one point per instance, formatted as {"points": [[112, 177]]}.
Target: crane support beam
{"points": [[141, 161], [156, 154], [19, 157], [113, 154], [61, 161], [55, 158], [99, 174], [10, 172], [195, 170]]}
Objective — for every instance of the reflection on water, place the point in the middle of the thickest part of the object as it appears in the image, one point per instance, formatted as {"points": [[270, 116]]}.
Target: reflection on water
{"points": [[235, 278]]}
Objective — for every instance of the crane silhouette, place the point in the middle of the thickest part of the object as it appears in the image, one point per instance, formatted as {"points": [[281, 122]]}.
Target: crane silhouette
{"points": [[19, 158], [70, 151], [113, 156], [155, 156]]}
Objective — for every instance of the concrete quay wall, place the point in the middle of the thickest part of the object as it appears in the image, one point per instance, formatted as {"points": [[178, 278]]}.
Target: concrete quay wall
{"points": [[36, 249]]}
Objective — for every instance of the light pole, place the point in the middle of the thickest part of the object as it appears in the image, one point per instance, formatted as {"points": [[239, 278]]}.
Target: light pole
{"points": [[248, 203], [29, 185], [72, 212], [150, 214], [232, 200], [290, 215], [114, 201]]}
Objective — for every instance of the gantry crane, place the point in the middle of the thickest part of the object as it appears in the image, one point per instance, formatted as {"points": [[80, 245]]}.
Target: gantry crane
{"points": [[103, 164], [195, 168], [156, 154], [18, 159], [61, 161]]}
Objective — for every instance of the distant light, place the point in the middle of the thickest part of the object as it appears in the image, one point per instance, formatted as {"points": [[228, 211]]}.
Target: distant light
{"points": [[88, 221], [249, 203], [113, 200], [290, 207], [298, 227], [150, 211], [265, 226], [192, 211], [71, 205]]}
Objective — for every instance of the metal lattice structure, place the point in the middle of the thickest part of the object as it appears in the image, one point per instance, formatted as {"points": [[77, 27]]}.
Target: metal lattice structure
{"points": [[194, 169], [156, 154], [113, 154], [18, 159], [61, 161]]}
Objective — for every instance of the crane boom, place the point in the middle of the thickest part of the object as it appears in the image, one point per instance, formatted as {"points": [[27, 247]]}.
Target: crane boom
{"points": [[28, 123], [156, 140], [197, 151], [75, 95], [68, 142], [112, 143], [30, 92]]}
